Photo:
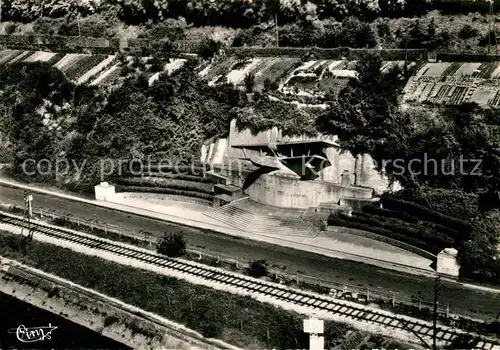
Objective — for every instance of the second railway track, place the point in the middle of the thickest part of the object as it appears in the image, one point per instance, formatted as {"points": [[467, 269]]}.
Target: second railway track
{"points": [[419, 328]]}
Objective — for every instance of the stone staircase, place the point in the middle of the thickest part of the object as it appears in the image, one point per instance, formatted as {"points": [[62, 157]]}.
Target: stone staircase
{"points": [[286, 226], [243, 220], [231, 215]]}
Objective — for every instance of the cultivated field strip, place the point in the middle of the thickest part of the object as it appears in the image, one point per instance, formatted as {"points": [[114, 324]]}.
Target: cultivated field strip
{"points": [[276, 291]]}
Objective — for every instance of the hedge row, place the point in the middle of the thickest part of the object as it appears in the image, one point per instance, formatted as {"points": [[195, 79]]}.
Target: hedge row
{"points": [[454, 203], [333, 53], [82, 44], [426, 214], [375, 210], [165, 183], [335, 220], [78, 41], [167, 175], [163, 190], [193, 170], [423, 233], [458, 236]]}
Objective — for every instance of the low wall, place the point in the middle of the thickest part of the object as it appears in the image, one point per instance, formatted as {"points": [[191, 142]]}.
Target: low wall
{"points": [[285, 192]]}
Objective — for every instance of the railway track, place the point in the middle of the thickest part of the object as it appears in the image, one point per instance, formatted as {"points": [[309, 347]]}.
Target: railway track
{"points": [[421, 329]]}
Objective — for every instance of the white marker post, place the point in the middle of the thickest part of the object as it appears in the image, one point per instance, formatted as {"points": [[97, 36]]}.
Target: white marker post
{"points": [[29, 199], [315, 327]]}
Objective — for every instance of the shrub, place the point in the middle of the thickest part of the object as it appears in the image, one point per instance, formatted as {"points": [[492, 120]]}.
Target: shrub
{"points": [[467, 32], [249, 82], [257, 268], [109, 320], [156, 65], [494, 327], [477, 254], [208, 48], [172, 245], [270, 85], [10, 28]]}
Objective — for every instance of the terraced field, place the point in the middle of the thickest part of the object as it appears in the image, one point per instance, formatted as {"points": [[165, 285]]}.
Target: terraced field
{"points": [[455, 83], [294, 77], [89, 69]]}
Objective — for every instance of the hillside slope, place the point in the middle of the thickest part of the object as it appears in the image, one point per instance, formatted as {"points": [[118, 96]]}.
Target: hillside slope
{"points": [[91, 69]]}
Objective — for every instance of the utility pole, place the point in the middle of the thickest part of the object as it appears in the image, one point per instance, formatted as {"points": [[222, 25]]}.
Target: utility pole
{"points": [[276, 25], [437, 286], [78, 23], [492, 28], [28, 210]]}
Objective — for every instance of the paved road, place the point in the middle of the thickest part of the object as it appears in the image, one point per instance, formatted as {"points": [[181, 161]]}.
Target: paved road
{"points": [[462, 300]]}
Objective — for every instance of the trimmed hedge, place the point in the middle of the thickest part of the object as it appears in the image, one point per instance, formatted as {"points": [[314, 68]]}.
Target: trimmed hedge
{"points": [[167, 183], [375, 210], [192, 170], [163, 190], [458, 236], [454, 203], [192, 178], [430, 236], [335, 220], [426, 214]]}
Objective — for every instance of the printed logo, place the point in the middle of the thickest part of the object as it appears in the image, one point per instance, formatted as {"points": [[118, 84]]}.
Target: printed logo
{"points": [[33, 334]]}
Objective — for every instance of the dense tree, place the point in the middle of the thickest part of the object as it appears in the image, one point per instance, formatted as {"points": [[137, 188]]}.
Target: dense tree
{"points": [[249, 82], [257, 268], [208, 48], [172, 245], [362, 117], [478, 255]]}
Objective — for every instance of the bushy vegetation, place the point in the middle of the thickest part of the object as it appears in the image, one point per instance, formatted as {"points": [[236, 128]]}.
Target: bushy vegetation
{"points": [[263, 114], [456, 199], [172, 245], [168, 120], [257, 268], [324, 23]]}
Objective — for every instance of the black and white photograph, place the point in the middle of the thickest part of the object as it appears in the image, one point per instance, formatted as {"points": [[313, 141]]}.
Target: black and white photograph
{"points": [[250, 174]]}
